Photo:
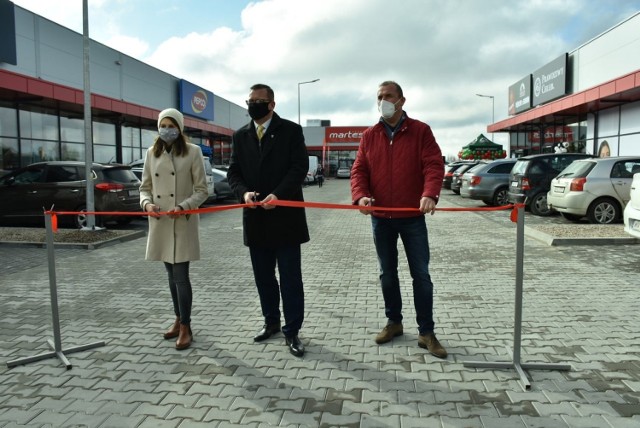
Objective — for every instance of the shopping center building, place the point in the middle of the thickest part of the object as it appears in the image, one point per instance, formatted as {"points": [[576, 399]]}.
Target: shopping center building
{"points": [[578, 100], [582, 101]]}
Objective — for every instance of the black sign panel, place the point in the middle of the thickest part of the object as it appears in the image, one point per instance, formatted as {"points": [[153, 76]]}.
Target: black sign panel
{"points": [[550, 81], [520, 96], [7, 33]]}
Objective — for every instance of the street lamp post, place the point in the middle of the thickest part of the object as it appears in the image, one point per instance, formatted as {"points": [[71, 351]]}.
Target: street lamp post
{"points": [[493, 109], [303, 83]]}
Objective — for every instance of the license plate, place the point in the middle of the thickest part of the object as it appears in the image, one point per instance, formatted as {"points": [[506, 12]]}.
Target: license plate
{"points": [[514, 184], [558, 189], [134, 192], [635, 225]]}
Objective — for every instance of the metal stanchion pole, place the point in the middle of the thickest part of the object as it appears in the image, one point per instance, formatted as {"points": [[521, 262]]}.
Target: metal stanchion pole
{"points": [[56, 345], [517, 327]]}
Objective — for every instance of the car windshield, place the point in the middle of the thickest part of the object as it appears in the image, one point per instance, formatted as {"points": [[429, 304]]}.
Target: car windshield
{"points": [[577, 170], [520, 167]]}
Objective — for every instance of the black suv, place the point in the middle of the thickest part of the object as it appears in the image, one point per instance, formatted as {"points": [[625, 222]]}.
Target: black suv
{"points": [[531, 176], [62, 185]]}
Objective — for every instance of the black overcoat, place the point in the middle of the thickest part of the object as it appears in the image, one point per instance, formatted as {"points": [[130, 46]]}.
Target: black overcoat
{"points": [[279, 167]]}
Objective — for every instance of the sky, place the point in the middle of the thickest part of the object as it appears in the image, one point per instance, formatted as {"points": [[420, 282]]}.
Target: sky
{"points": [[442, 52]]}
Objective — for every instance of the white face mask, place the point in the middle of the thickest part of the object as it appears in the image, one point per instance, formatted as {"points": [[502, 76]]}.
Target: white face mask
{"points": [[387, 109], [169, 135]]}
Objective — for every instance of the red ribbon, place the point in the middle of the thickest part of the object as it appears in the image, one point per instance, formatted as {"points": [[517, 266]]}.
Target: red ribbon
{"points": [[281, 203]]}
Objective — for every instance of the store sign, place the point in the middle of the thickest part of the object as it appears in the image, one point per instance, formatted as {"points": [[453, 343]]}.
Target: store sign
{"points": [[553, 134], [520, 96], [195, 101], [343, 134], [550, 81]]}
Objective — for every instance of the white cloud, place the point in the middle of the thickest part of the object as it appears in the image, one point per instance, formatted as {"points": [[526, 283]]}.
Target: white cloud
{"points": [[441, 52]]}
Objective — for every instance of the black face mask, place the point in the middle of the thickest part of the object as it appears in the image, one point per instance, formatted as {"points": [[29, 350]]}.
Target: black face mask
{"points": [[258, 110]]}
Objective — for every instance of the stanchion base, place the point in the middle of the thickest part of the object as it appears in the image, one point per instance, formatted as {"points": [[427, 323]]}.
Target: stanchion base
{"points": [[60, 354], [519, 367]]}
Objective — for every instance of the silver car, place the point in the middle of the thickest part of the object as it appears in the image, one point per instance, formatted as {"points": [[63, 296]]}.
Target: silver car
{"points": [[595, 188], [632, 210], [488, 182]]}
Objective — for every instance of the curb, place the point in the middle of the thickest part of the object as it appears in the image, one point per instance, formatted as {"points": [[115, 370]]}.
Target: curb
{"points": [[77, 245], [555, 241]]}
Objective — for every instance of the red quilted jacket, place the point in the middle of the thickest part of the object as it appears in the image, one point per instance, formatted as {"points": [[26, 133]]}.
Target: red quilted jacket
{"points": [[397, 173]]}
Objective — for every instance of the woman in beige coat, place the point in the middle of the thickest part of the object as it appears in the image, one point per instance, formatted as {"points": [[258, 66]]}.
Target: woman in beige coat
{"points": [[173, 180]]}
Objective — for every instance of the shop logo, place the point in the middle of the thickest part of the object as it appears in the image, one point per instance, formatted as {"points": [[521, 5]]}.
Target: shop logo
{"points": [[199, 101]]}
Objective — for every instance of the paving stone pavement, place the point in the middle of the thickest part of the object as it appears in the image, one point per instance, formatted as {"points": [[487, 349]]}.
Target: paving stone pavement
{"points": [[581, 307]]}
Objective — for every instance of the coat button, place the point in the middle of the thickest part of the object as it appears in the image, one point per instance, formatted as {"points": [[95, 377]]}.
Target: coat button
{"points": [[173, 173], [157, 175], [172, 195], [158, 196]]}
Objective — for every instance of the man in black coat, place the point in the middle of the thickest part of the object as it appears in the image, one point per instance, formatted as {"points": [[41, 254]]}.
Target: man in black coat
{"points": [[269, 161]]}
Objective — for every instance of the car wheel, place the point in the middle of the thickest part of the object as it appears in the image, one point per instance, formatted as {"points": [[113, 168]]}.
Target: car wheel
{"points": [[604, 211], [488, 202], [571, 217], [539, 205], [500, 197], [456, 191]]}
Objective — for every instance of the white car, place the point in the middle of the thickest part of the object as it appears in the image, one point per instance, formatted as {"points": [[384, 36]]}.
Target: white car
{"points": [[632, 210], [596, 188]]}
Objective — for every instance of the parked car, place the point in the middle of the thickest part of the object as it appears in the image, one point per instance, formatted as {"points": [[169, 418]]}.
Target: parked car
{"points": [[632, 210], [221, 184], [62, 185], [488, 182], [456, 178], [449, 169], [343, 172], [595, 188], [531, 177], [138, 165]]}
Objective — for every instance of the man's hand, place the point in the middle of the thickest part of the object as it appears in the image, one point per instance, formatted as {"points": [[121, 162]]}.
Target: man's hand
{"points": [[250, 198], [427, 205], [265, 202], [365, 202]]}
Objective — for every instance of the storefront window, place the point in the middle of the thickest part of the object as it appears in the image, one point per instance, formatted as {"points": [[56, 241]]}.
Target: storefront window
{"points": [[148, 137], [71, 151], [9, 154], [72, 130], [38, 125], [104, 154], [8, 122], [104, 133], [38, 151]]}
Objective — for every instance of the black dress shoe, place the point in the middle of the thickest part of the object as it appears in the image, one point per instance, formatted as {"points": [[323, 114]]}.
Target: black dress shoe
{"points": [[266, 332], [295, 346]]}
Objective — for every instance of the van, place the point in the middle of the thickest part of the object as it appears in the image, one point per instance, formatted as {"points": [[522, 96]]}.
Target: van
{"points": [[531, 176], [313, 167]]}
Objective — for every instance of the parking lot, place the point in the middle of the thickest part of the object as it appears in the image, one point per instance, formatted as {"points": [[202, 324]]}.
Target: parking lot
{"points": [[581, 306]]}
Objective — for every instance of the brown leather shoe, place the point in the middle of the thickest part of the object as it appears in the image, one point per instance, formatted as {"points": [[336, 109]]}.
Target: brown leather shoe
{"points": [[391, 330], [185, 337], [430, 343], [174, 330]]}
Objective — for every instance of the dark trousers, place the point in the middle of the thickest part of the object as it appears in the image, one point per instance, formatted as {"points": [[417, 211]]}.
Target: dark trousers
{"points": [[288, 260], [180, 287], [413, 233]]}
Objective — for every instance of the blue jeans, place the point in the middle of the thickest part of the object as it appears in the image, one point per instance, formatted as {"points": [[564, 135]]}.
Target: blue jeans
{"points": [[180, 287], [413, 232], [288, 259]]}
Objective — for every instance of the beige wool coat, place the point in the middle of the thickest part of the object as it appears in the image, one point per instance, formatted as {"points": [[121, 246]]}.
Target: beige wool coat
{"points": [[169, 181]]}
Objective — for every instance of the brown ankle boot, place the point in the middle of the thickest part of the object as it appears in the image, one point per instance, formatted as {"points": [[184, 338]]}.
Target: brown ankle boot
{"points": [[185, 338], [174, 330]]}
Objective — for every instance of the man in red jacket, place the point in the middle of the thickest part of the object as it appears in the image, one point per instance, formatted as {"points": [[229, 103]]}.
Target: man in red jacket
{"points": [[399, 164]]}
